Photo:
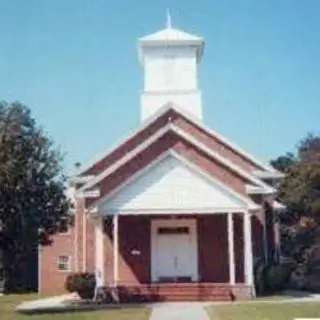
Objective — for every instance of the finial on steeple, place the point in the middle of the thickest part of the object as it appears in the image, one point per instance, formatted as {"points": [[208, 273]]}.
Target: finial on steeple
{"points": [[168, 19]]}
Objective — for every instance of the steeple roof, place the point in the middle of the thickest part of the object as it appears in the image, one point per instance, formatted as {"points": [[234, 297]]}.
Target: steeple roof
{"points": [[170, 34], [172, 37]]}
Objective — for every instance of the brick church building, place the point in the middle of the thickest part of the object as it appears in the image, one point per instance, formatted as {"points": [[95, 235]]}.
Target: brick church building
{"points": [[175, 211]]}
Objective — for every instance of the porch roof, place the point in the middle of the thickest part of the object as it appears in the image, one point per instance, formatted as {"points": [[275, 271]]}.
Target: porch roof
{"points": [[172, 185]]}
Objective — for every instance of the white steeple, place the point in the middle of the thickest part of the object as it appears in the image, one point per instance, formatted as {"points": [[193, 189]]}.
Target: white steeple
{"points": [[170, 59]]}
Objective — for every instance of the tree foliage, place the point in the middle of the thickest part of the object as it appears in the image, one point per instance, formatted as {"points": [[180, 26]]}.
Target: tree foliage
{"points": [[300, 189], [32, 189], [300, 192]]}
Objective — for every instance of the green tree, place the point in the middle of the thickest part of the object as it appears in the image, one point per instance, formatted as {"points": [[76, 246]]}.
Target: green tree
{"points": [[32, 192], [300, 192]]}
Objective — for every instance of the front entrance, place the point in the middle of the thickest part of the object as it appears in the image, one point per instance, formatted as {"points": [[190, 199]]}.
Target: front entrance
{"points": [[174, 250]]}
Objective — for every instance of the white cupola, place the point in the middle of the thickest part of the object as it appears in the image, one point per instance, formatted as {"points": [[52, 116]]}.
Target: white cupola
{"points": [[170, 59]]}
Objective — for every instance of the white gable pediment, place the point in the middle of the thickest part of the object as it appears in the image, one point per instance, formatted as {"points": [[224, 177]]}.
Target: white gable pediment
{"points": [[170, 184]]}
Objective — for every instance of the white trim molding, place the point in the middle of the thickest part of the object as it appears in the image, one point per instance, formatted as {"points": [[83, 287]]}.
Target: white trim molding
{"points": [[278, 206], [247, 203], [222, 159], [94, 193], [250, 189], [268, 168], [268, 174], [80, 179], [130, 155]]}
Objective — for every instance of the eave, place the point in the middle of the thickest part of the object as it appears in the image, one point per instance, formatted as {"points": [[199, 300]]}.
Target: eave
{"points": [[190, 139], [266, 170]]}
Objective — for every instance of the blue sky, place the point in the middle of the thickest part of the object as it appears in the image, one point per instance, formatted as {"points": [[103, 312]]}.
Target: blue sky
{"points": [[74, 63]]}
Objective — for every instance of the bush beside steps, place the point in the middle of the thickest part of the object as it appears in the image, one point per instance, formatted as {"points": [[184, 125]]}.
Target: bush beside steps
{"points": [[271, 278], [83, 283]]}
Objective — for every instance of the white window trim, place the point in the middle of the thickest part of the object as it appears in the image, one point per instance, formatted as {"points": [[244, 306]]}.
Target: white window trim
{"points": [[69, 263]]}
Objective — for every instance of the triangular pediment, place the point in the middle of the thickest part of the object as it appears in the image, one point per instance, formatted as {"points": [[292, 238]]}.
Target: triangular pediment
{"points": [[171, 184]]}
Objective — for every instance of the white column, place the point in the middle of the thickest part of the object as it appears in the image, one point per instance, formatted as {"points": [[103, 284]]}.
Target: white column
{"points": [[99, 252], [84, 241], [231, 249], [248, 259], [115, 250]]}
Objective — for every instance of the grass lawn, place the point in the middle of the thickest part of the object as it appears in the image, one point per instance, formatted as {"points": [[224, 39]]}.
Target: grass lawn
{"points": [[7, 304], [264, 311]]}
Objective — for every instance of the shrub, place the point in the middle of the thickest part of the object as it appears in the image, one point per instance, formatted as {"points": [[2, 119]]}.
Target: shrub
{"points": [[260, 269], [277, 277], [82, 283]]}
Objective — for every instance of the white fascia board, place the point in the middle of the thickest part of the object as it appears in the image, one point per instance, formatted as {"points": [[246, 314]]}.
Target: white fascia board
{"points": [[127, 157], [268, 174], [190, 139], [230, 144], [222, 160], [192, 119], [148, 121], [94, 193], [278, 206], [257, 190], [81, 179], [248, 203]]}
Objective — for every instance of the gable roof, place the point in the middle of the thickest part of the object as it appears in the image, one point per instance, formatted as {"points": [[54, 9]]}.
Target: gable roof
{"points": [[264, 167], [193, 141], [145, 190]]}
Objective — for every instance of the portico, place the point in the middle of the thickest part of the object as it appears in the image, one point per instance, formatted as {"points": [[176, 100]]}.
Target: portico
{"points": [[177, 249]]}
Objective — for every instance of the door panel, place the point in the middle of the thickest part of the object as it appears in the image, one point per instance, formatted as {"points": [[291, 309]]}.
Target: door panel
{"points": [[173, 255]]}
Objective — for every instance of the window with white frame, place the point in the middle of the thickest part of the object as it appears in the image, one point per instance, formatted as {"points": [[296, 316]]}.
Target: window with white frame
{"points": [[64, 263]]}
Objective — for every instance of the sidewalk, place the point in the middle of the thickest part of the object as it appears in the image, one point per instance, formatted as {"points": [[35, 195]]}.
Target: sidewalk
{"points": [[179, 311]]}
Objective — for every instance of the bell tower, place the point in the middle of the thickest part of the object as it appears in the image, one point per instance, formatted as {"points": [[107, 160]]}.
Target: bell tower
{"points": [[170, 59]]}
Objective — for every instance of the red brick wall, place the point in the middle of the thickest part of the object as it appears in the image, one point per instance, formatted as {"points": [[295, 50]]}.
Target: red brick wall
{"points": [[170, 140], [238, 247], [135, 269], [216, 169], [134, 234], [216, 145], [130, 144], [177, 119], [51, 279], [213, 249]]}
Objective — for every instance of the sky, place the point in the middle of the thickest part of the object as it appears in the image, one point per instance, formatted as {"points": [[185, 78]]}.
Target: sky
{"points": [[74, 63]]}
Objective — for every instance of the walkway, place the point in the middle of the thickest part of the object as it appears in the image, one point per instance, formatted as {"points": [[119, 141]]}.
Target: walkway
{"points": [[179, 311]]}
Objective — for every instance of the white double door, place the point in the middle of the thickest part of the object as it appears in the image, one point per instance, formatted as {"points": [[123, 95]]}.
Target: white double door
{"points": [[174, 250]]}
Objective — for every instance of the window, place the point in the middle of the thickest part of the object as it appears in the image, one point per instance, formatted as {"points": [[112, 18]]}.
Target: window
{"points": [[64, 226], [64, 263]]}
